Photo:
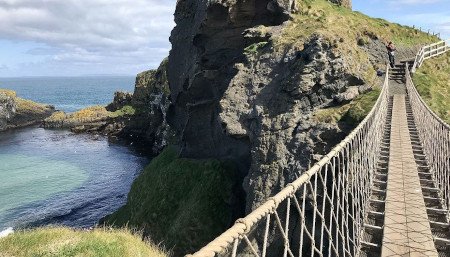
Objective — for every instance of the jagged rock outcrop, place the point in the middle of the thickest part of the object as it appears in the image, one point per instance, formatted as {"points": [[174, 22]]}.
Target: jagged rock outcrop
{"points": [[121, 99], [151, 99], [206, 43], [254, 109], [88, 120], [7, 110], [16, 112]]}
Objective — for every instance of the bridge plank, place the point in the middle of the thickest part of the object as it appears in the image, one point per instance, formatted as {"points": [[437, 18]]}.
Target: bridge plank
{"points": [[407, 230]]}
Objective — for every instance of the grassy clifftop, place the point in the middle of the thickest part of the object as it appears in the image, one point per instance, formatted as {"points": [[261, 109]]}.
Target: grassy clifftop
{"points": [[68, 242], [334, 21], [433, 83], [358, 38], [27, 112]]}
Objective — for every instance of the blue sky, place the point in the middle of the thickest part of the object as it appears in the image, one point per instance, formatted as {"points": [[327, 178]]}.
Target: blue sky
{"points": [[122, 37], [433, 15]]}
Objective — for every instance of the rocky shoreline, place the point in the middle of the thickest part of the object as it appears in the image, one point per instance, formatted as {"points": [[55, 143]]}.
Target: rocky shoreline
{"points": [[139, 117], [16, 112]]}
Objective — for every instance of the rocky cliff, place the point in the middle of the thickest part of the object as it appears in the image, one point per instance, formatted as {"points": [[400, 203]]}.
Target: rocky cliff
{"points": [[16, 112], [7, 110], [151, 100], [259, 84], [240, 95], [245, 80]]}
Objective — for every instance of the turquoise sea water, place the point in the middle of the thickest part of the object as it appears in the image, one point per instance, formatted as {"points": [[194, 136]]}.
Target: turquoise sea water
{"points": [[69, 93], [55, 176], [20, 173]]}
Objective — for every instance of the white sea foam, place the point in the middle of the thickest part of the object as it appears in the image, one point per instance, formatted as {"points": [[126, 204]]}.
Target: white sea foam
{"points": [[6, 232]]}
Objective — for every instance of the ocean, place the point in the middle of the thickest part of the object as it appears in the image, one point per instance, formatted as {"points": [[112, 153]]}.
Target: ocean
{"points": [[55, 177], [69, 94]]}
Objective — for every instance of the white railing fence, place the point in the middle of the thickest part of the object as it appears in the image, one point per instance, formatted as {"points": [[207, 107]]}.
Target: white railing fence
{"points": [[430, 51], [434, 135], [321, 213]]}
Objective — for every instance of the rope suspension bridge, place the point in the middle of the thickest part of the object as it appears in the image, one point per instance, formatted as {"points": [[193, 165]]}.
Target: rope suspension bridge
{"points": [[383, 191]]}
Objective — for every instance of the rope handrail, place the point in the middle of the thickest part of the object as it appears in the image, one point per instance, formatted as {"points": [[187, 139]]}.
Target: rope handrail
{"points": [[434, 134], [336, 189]]}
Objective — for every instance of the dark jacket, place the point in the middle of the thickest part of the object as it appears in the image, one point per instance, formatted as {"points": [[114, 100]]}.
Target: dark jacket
{"points": [[390, 48]]}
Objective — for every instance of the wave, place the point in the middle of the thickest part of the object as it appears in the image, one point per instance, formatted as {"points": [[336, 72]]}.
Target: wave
{"points": [[6, 232]]}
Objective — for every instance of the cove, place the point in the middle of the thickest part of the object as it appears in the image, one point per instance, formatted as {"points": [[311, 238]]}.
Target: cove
{"points": [[60, 178]]}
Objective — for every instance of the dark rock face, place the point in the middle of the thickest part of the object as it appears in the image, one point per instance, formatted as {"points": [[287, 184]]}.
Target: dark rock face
{"points": [[271, 100], [16, 112], [206, 44], [253, 109], [151, 99], [7, 110], [121, 99]]}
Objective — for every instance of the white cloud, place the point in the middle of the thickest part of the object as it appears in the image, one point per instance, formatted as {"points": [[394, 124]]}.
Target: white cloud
{"points": [[91, 31]]}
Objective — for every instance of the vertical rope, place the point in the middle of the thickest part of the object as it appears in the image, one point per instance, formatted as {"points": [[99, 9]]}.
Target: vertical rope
{"points": [[329, 202]]}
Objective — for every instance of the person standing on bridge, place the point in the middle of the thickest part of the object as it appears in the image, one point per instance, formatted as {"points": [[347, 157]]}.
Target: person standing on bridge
{"points": [[391, 53]]}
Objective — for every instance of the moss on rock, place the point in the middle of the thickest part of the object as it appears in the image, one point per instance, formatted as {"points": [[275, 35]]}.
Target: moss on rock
{"points": [[181, 203]]}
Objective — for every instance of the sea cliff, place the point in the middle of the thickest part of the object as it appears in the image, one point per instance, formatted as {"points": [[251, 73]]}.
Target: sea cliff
{"points": [[265, 86], [16, 112]]}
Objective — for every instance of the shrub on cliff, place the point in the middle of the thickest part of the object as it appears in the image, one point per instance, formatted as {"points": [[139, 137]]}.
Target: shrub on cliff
{"points": [[179, 202]]}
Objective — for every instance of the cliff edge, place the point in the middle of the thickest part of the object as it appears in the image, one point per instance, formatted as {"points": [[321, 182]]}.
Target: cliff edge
{"points": [[264, 85], [248, 77], [16, 112]]}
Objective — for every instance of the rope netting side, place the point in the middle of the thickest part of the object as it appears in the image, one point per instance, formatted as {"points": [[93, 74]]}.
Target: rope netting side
{"points": [[434, 134], [322, 212]]}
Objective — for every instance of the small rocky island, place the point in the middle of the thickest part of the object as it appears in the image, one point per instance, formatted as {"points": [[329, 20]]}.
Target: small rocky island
{"points": [[16, 112]]}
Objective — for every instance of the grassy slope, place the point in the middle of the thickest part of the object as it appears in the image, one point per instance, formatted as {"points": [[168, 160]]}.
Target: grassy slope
{"points": [[181, 203], [352, 113], [67, 242], [348, 29], [433, 83], [336, 22], [26, 107]]}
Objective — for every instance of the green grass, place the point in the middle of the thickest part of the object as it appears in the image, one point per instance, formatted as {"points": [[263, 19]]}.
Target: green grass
{"points": [[24, 106], [65, 242], [181, 203], [433, 84], [352, 113], [337, 22], [346, 30], [127, 110]]}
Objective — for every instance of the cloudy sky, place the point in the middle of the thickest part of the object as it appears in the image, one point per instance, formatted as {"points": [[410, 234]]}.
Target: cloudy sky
{"points": [[123, 37]]}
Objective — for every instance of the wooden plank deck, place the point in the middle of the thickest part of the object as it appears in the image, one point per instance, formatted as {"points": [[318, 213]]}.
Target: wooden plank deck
{"points": [[407, 230]]}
